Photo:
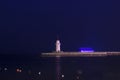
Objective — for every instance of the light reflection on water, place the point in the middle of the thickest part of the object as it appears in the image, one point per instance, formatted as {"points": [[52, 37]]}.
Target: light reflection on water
{"points": [[79, 68], [58, 73], [62, 68]]}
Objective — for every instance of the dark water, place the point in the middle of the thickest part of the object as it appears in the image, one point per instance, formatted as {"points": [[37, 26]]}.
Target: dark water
{"points": [[65, 68]]}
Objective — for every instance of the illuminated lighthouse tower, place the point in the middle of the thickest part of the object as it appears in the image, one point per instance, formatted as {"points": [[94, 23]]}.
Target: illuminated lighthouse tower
{"points": [[58, 46]]}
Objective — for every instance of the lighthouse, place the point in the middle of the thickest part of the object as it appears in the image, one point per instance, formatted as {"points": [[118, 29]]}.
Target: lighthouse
{"points": [[85, 52], [58, 46]]}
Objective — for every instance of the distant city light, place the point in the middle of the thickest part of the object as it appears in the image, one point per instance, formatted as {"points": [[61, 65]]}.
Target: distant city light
{"points": [[39, 73], [86, 50], [18, 70], [62, 75], [5, 69]]}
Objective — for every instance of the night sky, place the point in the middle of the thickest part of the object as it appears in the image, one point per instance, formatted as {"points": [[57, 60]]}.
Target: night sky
{"points": [[32, 26]]}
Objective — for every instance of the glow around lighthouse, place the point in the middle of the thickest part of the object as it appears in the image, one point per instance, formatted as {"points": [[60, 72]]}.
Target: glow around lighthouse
{"points": [[58, 46]]}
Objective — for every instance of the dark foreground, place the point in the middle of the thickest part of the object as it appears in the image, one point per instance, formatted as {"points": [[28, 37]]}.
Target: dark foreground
{"points": [[34, 67]]}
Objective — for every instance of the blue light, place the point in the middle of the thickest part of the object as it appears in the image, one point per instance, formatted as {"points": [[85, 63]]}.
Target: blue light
{"points": [[86, 50]]}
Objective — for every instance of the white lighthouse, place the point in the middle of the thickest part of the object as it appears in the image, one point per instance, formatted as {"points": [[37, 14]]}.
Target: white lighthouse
{"points": [[58, 46]]}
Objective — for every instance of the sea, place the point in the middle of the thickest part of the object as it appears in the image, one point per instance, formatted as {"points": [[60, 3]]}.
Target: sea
{"points": [[35, 67]]}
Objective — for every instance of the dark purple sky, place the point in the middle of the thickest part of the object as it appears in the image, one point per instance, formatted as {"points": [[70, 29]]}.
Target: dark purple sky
{"points": [[31, 26]]}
